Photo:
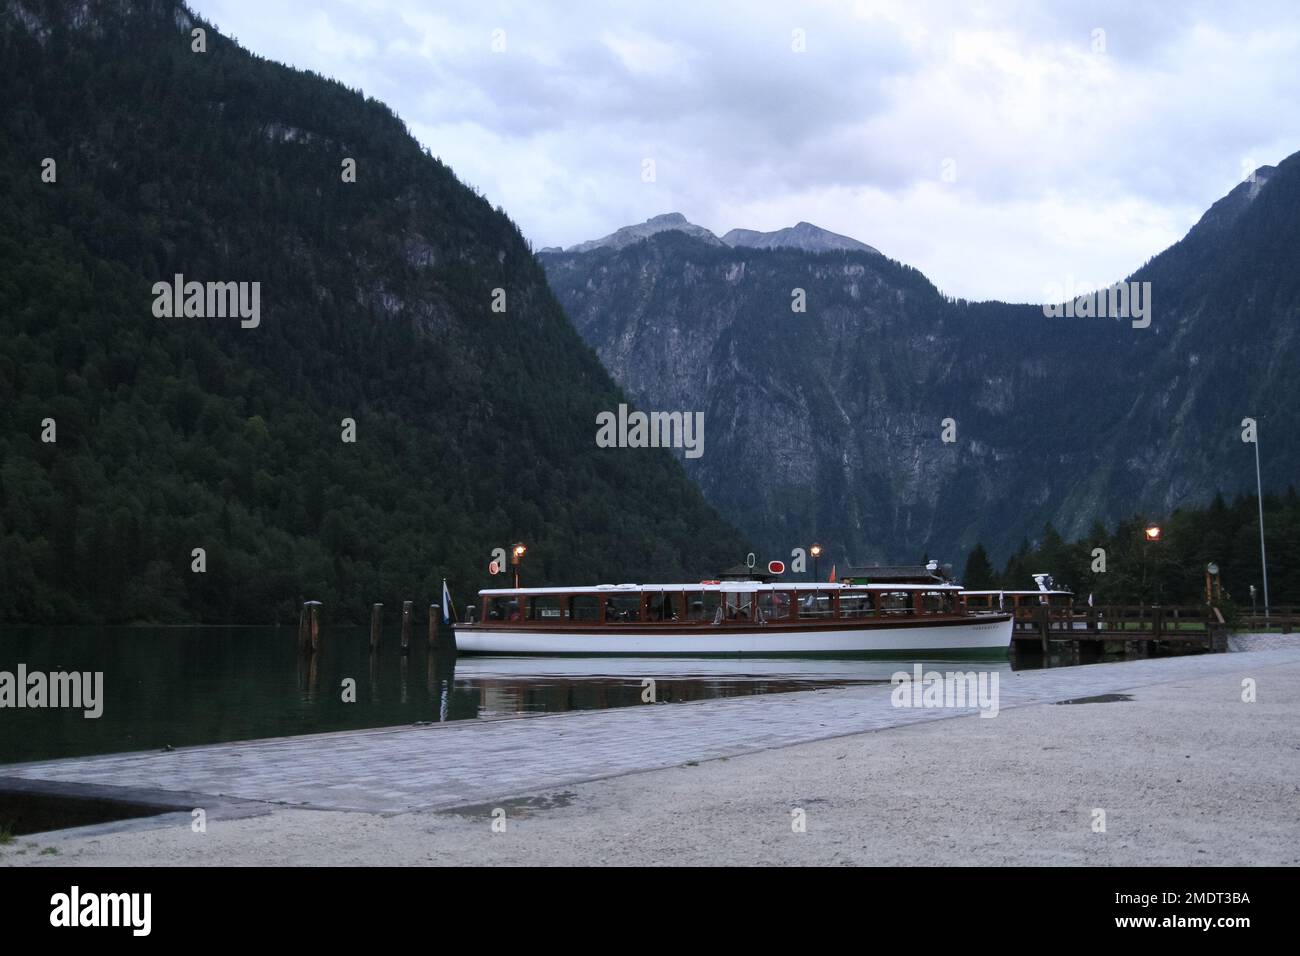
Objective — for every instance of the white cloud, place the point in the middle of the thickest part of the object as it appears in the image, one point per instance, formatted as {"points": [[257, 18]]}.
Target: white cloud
{"points": [[1084, 139]]}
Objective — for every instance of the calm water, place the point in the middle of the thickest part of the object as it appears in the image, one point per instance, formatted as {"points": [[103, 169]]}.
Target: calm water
{"points": [[185, 686]]}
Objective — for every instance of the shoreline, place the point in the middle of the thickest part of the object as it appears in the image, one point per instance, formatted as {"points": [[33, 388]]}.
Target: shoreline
{"points": [[1186, 772]]}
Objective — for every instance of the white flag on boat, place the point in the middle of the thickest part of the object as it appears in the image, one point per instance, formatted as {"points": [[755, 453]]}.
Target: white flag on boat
{"points": [[446, 603]]}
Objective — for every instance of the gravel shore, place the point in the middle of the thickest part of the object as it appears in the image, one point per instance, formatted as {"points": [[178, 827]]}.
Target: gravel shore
{"points": [[1185, 772]]}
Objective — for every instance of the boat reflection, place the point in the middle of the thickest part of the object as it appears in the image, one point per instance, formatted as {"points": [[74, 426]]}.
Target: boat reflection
{"points": [[511, 686]]}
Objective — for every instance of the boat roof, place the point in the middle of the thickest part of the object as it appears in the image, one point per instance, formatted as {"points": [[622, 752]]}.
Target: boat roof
{"points": [[1020, 592], [728, 586]]}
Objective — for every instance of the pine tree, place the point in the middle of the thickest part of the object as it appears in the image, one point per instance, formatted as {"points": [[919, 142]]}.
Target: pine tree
{"points": [[979, 574]]}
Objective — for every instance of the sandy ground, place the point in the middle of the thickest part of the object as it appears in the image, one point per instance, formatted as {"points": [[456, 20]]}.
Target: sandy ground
{"points": [[1187, 774]]}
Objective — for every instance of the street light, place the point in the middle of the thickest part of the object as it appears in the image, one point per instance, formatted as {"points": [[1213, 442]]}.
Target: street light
{"points": [[1212, 583], [816, 552], [1259, 498], [1151, 533], [516, 557]]}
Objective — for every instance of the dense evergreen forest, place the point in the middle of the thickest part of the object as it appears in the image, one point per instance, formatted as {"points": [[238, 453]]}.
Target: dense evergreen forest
{"points": [[1170, 570], [473, 428]]}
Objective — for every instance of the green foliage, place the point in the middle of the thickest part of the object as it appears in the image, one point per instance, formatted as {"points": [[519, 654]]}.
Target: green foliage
{"points": [[979, 574], [1171, 570], [474, 429]]}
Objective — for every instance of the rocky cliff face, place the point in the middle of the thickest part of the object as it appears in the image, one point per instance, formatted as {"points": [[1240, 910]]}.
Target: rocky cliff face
{"points": [[669, 221], [803, 236], [830, 423]]}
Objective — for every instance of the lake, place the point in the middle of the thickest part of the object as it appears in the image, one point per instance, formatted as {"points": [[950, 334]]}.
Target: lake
{"points": [[177, 687]]}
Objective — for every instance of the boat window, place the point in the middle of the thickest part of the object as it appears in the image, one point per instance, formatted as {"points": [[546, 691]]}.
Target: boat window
{"points": [[937, 602], [585, 607], [895, 602], [702, 606], [502, 609], [545, 607], [664, 606], [815, 604], [739, 605], [856, 604], [774, 606], [622, 608]]}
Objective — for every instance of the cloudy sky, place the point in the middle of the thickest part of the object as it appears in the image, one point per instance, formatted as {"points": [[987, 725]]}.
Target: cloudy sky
{"points": [[998, 147]]}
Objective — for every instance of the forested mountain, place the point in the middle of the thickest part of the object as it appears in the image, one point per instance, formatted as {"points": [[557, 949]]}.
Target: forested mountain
{"points": [[473, 428], [829, 424]]}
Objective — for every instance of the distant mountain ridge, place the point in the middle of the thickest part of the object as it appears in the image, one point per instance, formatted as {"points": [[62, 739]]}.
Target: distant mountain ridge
{"points": [[827, 424], [803, 236], [626, 236]]}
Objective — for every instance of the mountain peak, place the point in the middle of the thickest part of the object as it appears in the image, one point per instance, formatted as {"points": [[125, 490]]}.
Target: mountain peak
{"points": [[1225, 212], [628, 235], [802, 235], [1258, 179]]}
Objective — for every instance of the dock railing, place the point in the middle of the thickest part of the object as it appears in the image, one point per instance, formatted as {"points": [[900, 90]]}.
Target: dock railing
{"points": [[1181, 624], [1285, 618]]}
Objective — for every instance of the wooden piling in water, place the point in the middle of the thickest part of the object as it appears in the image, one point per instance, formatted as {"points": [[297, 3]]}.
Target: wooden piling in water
{"points": [[309, 628], [433, 624], [376, 625], [406, 626]]}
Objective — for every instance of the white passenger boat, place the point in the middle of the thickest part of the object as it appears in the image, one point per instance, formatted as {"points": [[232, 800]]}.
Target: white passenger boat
{"points": [[734, 618]]}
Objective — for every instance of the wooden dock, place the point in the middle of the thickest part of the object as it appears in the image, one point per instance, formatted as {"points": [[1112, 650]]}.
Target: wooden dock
{"points": [[1139, 627]]}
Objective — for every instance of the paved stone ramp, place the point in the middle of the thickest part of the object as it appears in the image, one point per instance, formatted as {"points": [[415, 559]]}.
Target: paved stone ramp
{"points": [[467, 762]]}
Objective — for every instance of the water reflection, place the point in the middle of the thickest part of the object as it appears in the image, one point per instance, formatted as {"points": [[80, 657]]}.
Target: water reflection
{"points": [[187, 686]]}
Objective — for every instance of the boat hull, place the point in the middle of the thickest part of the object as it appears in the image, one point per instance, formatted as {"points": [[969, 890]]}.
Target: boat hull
{"points": [[984, 636]]}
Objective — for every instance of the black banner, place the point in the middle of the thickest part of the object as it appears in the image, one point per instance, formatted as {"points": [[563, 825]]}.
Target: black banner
{"points": [[338, 905]]}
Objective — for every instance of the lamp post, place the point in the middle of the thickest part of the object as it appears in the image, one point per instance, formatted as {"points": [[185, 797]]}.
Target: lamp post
{"points": [[1211, 582], [516, 558], [816, 552], [1259, 498], [1152, 534]]}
